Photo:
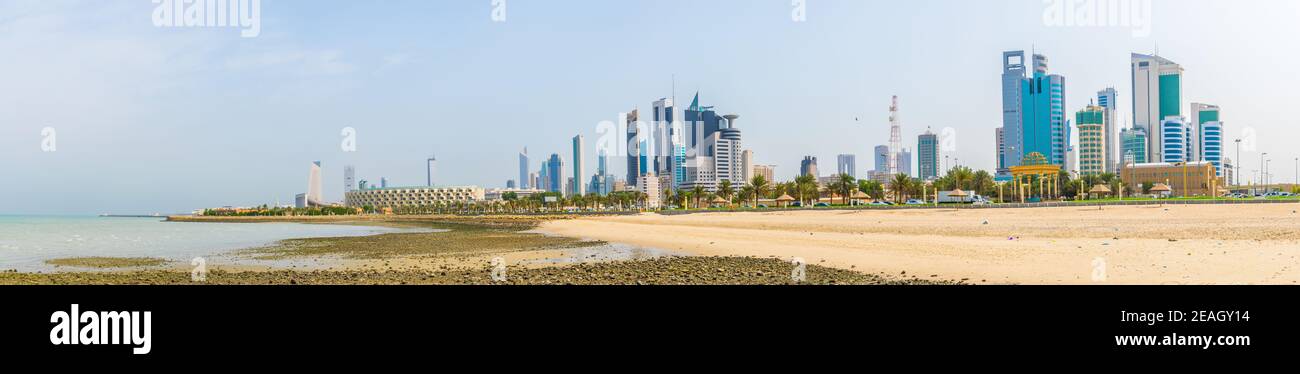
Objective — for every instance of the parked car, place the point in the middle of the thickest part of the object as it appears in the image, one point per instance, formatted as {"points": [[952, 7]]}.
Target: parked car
{"points": [[915, 202], [822, 205], [879, 203]]}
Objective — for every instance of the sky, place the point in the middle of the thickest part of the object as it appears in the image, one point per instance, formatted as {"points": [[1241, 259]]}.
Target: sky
{"points": [[150, 119]]}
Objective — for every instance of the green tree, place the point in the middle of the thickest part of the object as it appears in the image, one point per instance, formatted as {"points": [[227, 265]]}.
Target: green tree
{"points": [[760, 187]]}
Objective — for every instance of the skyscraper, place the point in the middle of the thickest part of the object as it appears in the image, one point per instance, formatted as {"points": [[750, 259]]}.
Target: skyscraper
{"points": [[747, 165], [1108, 100], [905, 162], [555, 174], [634, 166], [544, 176], [1013, 104], [1200, 115], [701, 122], [579, 188], [767, 171], [1133, 146], [927, 148], [349, 179], [524, 181], [432, 169], [882, 159], [661, 144], [808, 166], [314, 191], [1157, 95], [847, 164], [1092, 140], [1044, 128], [1176, 140], [1211, 145]]}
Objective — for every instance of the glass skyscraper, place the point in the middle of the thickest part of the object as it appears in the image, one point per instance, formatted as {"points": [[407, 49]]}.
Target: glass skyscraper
{"points": [[927, 148], [1012, 148], [1176, 140], [1045, 130], [1133, 146]]}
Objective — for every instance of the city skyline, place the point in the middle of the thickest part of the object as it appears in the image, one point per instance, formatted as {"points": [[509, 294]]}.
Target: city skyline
{"points": [[298, 82]]}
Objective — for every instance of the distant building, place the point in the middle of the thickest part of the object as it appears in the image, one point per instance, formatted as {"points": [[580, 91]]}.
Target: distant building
{"points": [[499, 194], [882, 159], [1157, 95], [649, 185], [314, 191], [846, 164], [808, 166], [1176, 140], [1092, 140], [634, 165], [349, 179], [905, 162], [766, 171], [747, 165], [1044, 127], [525, 180], [1211, 147], [927, 149], [555, 174], [1014, 74], [579, 189], [1133, 146], [1108, 100], [413, 196], [510, 184]]}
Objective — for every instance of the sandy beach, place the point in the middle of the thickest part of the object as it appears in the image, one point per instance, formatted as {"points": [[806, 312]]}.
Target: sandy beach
{"points": [[1148, 245]]}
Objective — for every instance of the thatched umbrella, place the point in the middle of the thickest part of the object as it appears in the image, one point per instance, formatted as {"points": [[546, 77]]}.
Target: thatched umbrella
{"points": [[1100, 189], [1161, 189], [784, 200], [718, 200], [960, 195]]}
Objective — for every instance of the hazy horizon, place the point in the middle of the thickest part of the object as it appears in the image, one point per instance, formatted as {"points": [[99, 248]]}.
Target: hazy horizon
{"points": [[170, 119]]}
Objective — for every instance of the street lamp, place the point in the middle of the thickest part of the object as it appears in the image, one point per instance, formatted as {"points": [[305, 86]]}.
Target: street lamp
{"points": [[1236, 174]]}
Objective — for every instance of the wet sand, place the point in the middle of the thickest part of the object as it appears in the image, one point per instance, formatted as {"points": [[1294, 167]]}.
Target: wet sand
{"points": [[1184, 244]]}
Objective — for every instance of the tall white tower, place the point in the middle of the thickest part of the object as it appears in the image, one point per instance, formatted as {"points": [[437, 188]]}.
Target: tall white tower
{"points": [[314, 197], [895, 137]]}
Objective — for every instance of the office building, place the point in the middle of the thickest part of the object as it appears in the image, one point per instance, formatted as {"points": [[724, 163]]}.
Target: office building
{"points": [[1176, 144], [661, 145], [846, 164], [1014, 76], [1092, 140], [314, 195], [882, 159], [1044, 126], [525, 182], [927, 155], [1133, 143], [808, 166], [1201, 114], [1157, 95], [1211, 145], [349, 179], [555, 174], [904, 162], [747, 165], [634, 165], [768, 172], [579, 188], [1108, 100], [649, 185]]}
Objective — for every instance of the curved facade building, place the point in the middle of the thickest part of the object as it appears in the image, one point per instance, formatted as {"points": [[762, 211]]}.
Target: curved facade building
{"points": [[413, 196]]}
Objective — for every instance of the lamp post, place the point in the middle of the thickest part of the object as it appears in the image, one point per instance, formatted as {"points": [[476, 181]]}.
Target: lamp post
{"points": [[1236, 164]]}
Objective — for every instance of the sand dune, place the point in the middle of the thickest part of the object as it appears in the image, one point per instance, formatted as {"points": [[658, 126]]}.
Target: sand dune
{"points": [[1200, 244]]}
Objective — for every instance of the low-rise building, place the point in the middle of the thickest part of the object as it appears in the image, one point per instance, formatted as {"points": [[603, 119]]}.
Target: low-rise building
{"points": [[414, 196], [1184, 178]]}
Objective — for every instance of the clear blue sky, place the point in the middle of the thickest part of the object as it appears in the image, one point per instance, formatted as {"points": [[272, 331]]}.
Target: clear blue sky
{"points": [[153, 119]]}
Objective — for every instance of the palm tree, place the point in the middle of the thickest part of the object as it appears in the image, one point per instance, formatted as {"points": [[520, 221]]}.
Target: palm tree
{"points": [[725, 190], [801, 184], [698, 193], [760, 187], [845, 186], [899, 185]]}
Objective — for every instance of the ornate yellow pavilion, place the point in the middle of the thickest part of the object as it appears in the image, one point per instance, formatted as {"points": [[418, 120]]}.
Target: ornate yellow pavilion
{"points": [[1033, 165]]}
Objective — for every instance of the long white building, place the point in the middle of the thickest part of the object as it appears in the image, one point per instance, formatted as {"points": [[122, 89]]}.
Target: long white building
{"points": [[414, 196]]}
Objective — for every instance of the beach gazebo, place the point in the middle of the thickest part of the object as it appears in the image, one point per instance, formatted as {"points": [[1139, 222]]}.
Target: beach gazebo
{"points": [[1100, 189], [718, 201], [1161, 190], [784, 201]]}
